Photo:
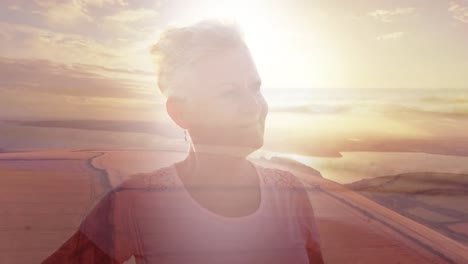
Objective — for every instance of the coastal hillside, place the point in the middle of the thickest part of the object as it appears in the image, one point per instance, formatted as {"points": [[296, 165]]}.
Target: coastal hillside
{"points": [[292, 164], [437, 200]]}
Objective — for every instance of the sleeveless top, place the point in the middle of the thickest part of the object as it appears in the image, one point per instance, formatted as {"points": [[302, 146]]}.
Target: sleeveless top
{"points": [[153, 218]]}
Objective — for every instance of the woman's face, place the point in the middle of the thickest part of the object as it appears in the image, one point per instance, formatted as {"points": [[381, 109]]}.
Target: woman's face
{"points": [[225, 105]]}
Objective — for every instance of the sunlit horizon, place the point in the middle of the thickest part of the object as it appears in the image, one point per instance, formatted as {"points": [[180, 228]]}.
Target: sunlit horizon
{"points": [[341, 76]]}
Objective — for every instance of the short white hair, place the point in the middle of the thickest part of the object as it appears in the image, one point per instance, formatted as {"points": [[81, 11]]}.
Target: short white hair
{"points": [[179, 47]]}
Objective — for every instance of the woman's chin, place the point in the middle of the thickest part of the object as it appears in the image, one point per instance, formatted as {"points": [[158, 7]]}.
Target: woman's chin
{"points": [[242, 147], [253, 140], [249, 146]]}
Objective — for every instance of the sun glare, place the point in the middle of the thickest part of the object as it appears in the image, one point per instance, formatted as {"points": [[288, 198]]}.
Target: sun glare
{"points": [[286, 57]]}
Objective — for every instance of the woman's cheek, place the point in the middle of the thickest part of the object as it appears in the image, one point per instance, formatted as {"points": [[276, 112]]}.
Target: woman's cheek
{"points": [[201, 115], [221, 115]]}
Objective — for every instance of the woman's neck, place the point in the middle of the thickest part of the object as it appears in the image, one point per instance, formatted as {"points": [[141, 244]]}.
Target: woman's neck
{"points": [[215, 168]]}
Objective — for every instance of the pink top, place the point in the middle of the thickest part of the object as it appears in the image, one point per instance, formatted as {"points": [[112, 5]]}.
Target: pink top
{"points": [[154, 218]]}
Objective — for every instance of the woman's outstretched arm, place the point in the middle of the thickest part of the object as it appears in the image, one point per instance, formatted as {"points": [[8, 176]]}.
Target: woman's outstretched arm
{"points": [[309, 224], [78, 249], [102, 237], [313, 251]]}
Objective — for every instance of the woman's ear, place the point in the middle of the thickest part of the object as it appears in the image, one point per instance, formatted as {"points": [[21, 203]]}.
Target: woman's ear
{"points": [[175, 109]]}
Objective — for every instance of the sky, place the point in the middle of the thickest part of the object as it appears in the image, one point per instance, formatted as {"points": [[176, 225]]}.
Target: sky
{"points": [[81, 55]]}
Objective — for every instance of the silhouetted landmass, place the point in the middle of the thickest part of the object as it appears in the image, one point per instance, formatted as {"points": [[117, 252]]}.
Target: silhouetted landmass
{"points": [[294, 165], [437, 200], [158, 128], [413, 183]]}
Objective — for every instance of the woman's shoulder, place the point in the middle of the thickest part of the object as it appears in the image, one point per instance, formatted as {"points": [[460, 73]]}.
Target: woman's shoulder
{"points": [[148, 180], [281, 178]]}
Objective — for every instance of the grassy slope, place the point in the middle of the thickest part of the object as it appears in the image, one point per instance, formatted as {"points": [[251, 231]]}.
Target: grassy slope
{"points": [[437, 200]]}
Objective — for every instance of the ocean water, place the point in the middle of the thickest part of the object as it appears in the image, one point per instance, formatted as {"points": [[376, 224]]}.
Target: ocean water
{"points": [[437, 120], [445, 101], [355, 166]]}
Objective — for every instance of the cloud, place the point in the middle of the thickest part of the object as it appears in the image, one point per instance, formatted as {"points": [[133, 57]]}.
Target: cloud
{"points": [[459, 12], [133, 23], [394, 35], [68, 12], [101, 3], [76, 80], [24, 41], [14, 7], [312, 108], [388, 15], [72, 11], [19, 5], [133, 15], [20, 41]]}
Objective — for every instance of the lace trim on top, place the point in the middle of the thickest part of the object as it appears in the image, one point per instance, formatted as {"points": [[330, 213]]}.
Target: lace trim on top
{"points": [[164, 178]]}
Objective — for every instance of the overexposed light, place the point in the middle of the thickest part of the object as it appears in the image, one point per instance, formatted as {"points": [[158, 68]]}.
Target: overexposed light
{"points": [[288, 53]]}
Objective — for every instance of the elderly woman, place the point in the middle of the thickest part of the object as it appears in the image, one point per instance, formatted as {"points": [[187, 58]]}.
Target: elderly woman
{"points": [[215, 206]]}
